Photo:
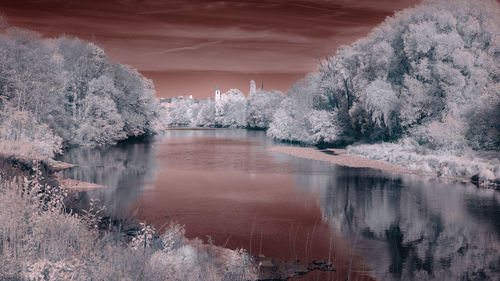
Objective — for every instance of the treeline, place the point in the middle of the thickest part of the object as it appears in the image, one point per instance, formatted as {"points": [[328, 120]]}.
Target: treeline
{"points": [[232, 110], [429, 74], [64, 91]]}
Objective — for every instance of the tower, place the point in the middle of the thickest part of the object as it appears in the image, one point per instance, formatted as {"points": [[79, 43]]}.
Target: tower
{"points": [[252, 88], [217, 93]]}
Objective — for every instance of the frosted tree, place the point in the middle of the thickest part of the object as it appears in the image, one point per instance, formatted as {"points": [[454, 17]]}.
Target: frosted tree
{"points": [[180, 112], [429, 67], [136, 102], [381, 103], [32, 74], [51, 80], [100, 122], [231, 109], [83, 62], [297, 118], [261, 107], [322, 127], [206, 113]]}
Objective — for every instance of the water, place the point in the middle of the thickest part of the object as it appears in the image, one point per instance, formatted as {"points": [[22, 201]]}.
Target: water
{"points": [[224, 186]]}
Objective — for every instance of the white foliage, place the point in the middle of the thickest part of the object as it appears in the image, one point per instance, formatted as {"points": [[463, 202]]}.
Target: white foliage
{"points": [[206, 113], [173, 237], [231, 110], [323, 128], [21, 134], [46, 270], [180, 112], [380, 100], [410, 155], [423, 73], [261, 107], [297, 119], [100, 122], [70, 86]]}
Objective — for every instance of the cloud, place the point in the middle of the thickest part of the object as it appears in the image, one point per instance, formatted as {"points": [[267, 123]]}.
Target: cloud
{"points": [[259, 35], [186, 48]]}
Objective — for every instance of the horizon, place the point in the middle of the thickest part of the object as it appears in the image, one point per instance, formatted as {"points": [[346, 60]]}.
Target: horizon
{"points": [[192, 46]]}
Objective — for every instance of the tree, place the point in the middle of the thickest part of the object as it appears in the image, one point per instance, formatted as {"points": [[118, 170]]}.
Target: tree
{"points": [[322, 127], [427, 67], [135, 100], [180, 112], [206, 114], [70, 86], [230, 110], [100, 123], [381, 102], [293, 120], [261, 107]]}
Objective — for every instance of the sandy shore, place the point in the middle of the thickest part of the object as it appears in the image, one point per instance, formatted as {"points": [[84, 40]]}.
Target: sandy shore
{"points": [[76, 185], [339, 157], [57, 166]]}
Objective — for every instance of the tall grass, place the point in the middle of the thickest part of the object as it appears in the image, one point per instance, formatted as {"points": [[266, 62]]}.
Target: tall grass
{"points": [[39, 240], [462, 164]]}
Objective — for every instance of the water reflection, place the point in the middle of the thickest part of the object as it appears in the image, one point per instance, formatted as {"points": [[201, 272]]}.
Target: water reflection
{"points": [[224, 183], [413, 228], [125, 169]]}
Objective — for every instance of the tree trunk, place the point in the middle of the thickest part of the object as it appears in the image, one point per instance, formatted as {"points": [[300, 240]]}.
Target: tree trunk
{"points": [[348, 94]]}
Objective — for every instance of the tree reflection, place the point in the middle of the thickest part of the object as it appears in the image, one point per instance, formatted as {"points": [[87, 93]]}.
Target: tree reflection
{"points": [[411, 228], [125, 170]]}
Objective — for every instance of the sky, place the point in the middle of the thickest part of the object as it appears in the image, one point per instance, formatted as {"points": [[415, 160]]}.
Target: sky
{"points": [[190, 47]]}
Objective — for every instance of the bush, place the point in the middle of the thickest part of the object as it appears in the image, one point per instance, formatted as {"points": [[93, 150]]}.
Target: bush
{"points": [[412, 156], [21, 134]]}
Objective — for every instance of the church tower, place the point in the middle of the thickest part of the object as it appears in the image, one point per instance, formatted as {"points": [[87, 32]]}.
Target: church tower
{"points": [[217, 93]]}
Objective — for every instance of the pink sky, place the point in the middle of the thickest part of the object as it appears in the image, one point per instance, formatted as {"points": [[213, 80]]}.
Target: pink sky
{"points": [[191, 46]]}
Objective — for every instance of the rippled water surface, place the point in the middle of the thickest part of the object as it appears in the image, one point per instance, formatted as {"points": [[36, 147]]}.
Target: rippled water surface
{"points": [[225, 185]]}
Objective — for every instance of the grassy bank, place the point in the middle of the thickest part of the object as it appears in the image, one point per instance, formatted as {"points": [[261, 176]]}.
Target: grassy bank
{"points": [[483, 170], [41, 240]]}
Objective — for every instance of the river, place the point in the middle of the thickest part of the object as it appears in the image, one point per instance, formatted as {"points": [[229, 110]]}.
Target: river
{"points": [[227, 188]]}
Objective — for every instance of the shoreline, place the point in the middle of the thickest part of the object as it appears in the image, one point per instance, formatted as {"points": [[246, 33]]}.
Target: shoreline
{"points": [[339, 157], [76, 185], [22, 166], [343, 158]]}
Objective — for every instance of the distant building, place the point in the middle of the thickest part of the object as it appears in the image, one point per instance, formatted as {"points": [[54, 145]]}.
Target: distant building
{"points": [[165, 100], [217, 93]]}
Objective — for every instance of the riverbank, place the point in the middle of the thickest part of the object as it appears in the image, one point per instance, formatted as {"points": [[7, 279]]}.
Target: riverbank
{"points": [[22, 166], [344, 157], [44, 237], [337, 156]]}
